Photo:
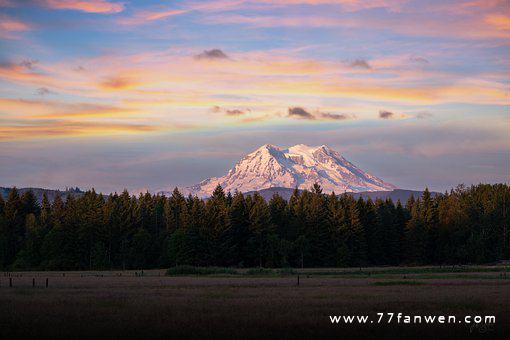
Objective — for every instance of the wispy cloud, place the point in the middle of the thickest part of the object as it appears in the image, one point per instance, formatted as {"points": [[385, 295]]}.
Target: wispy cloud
{"points": [[6, 3], [9, 27], [148, 16], [66, 128], [90, 6], [469, 26], [45, 109]]}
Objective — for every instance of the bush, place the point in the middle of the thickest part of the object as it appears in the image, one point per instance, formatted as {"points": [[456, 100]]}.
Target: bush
{"points": [[199, 271], [260, 271], [397, 283], [287, 271]]}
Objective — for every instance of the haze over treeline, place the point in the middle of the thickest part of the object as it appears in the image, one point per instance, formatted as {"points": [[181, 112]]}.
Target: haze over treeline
{"points": [[465, 225]]}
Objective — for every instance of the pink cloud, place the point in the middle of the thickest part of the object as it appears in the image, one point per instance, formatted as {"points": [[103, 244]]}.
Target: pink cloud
{"points": [[349, 5], [10, 26], [6, 3], [146, 16], [149, 16]]}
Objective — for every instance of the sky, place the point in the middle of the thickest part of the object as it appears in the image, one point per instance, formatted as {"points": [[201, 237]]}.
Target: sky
{"points": [[149, 95]]}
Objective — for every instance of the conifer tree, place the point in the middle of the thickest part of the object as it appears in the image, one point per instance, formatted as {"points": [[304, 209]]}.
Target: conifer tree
{"points": [[260, 227], [416, 236], [318, 228], [29, 257], [353, 249], [239, 224], [222, 246], [175, 211], [14, 226]]}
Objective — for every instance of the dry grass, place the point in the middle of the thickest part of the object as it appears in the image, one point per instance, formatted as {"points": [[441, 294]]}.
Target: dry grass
{"points": [[107, 305]]}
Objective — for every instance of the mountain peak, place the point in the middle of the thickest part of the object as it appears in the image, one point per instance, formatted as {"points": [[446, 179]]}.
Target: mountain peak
{"points": [[269, 146], [298, 166], [308, 148]]}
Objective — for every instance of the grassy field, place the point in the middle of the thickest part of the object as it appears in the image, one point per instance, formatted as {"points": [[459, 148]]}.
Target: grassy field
{"points": [[252, 303]]}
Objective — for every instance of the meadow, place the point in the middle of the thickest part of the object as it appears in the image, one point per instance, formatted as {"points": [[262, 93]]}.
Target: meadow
{"points": [[252, 303]]}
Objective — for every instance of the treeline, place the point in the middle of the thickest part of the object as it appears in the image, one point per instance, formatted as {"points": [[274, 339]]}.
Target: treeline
{"points": [[312, 229]]}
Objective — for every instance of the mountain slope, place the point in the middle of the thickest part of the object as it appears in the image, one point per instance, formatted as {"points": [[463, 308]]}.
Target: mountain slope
{"points": [[298, 166]]}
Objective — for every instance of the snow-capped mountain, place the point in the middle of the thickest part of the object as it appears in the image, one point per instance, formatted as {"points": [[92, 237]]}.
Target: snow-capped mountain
{"points": [[298, 166]]}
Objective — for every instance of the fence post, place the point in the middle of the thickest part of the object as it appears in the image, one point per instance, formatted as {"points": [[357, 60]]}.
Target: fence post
{"points": [[298, 280], [46, 282], [33, 282], [10, 282]]}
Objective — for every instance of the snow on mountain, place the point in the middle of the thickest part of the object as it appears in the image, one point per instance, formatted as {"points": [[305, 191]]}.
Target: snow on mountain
{"points": [[298, 166]]}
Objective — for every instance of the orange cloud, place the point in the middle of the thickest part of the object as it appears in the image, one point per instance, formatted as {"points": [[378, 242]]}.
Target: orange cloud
{"points": [[65, 128], [500, 21], [90, 6], [118, 83], [34, 109]]}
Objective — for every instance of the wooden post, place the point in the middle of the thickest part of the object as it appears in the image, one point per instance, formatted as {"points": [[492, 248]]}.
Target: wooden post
{"points": [[33, 282], [46, 282], [10, 282], [298, 280]]}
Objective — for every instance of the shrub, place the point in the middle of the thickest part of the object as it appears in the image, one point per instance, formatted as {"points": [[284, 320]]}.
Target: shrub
{"points": [[199, 271]]}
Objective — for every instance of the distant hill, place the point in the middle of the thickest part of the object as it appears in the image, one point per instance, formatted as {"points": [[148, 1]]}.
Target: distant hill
{"points": [[286, 193], [397, 194], [38, 192]]}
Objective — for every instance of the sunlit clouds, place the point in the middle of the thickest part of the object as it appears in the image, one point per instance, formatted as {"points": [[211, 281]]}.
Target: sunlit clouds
{"points": [[173, 87], [80, 70]]}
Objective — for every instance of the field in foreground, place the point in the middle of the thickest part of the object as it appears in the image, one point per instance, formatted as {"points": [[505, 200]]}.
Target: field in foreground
{"points": [[128, 305]]}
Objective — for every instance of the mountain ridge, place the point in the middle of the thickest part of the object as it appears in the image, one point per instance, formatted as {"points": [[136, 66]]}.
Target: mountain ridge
{"points": [[38, 192], [401, 195]]}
